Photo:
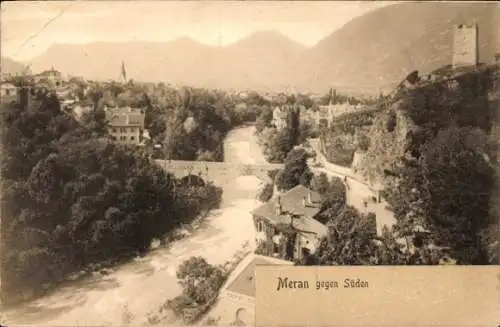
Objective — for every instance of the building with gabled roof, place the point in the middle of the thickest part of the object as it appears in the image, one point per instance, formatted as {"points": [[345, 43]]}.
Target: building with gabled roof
{"points": [[126, 125], [286, 225], [236, 304]]}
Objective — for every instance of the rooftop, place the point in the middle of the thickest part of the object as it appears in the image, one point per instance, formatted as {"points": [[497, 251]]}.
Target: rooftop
{"points": [[243, 279], [125, 118], [51, 71], [293, 202]]}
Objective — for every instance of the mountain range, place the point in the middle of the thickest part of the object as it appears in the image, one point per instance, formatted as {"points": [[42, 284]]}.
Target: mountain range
{"points": [[370, 53], [12, 67]]}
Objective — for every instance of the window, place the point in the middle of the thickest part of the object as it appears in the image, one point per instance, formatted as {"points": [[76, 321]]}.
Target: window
{"points": [[132, 138], [260, 226], [123, 130], [113, 130], [7, 92]]}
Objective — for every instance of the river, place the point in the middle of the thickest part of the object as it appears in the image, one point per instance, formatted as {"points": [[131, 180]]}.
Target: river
{"points": [[145, 283]]}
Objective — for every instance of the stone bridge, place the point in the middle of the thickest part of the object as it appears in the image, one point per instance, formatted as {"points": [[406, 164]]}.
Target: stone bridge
{"points": [[219, 173]]}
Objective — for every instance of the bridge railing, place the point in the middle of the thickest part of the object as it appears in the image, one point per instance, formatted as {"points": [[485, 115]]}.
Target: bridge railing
{"points": [[173, 163]]}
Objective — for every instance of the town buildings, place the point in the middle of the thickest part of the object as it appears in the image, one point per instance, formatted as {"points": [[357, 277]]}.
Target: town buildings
{"points": [[52, 77], [286, 225], [126, 125]]}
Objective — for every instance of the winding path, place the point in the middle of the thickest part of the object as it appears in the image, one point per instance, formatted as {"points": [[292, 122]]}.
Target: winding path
{"points": [[358, 190]]}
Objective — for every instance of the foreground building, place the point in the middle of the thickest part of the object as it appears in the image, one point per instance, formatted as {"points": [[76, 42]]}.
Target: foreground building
{"points": [[286, 226], [236, 304]]}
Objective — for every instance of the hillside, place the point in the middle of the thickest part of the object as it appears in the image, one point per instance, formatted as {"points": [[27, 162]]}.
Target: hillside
{"points": [[378, 49], [12, 67], [410, 122], [251, 63]]}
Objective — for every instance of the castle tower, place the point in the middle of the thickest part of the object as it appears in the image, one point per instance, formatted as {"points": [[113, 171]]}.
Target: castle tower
{"points": [[465, 45]]}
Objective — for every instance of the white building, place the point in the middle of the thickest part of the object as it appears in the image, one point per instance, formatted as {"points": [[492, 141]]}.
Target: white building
{"points": [[126, 125]]}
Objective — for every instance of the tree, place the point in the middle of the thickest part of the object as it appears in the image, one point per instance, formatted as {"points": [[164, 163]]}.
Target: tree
{"points": [[200, 280], [334, 196], [264, 120], [321, 184], [296, 171], [350, 240], [266, 193], [459, 182], [272, 174]]}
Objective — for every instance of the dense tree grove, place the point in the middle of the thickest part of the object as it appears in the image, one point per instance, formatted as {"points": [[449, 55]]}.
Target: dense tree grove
{"points": [[71, 198], [442, 193], [192, 123], [189, 123], [447, 188]]}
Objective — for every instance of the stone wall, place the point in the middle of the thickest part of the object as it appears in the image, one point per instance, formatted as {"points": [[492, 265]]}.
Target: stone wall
{"points": [[465, 47], [219, 173], [385, 146]]}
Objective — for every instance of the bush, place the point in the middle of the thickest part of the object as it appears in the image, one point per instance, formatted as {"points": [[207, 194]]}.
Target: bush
{"points": [[272, 174], [201, 283], [267, 192]]}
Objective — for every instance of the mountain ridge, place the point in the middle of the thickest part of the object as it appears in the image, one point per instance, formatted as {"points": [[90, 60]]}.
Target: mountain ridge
{"points": [[369, 54]]}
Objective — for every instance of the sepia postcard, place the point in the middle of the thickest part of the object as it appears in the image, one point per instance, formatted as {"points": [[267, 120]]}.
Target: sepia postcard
{"points": [[250, 163]]}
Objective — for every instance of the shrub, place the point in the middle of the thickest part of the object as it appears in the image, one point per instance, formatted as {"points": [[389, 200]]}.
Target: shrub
{"points": [[267, 192]]}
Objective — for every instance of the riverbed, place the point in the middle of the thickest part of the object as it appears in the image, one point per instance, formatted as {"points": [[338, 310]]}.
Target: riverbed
{"points": [[144, 284]]}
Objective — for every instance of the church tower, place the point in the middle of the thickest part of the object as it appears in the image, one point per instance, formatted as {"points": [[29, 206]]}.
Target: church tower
{"points": [[123, 74]]}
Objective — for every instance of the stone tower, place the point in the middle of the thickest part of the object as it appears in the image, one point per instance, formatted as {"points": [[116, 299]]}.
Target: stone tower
{"points": [[465, 47]]}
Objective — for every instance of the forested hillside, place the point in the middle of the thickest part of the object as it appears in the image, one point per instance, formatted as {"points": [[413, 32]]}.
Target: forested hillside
{"points": [[434, 150]]}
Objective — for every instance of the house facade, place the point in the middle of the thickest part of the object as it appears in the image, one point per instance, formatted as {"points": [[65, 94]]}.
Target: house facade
{"points": [[8, 91], [286, 226], [236, 304], [126, 125]]}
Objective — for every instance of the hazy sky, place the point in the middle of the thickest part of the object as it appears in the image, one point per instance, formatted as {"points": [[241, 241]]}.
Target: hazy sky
{"points": [[29, 28]]}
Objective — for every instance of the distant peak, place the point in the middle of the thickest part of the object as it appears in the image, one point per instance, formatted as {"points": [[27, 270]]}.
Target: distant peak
{"points": [[267, 37], [185, 39]]}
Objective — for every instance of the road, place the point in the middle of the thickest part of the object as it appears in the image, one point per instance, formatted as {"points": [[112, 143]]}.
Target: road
{"points": [[358, 190], [146, 283]]}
